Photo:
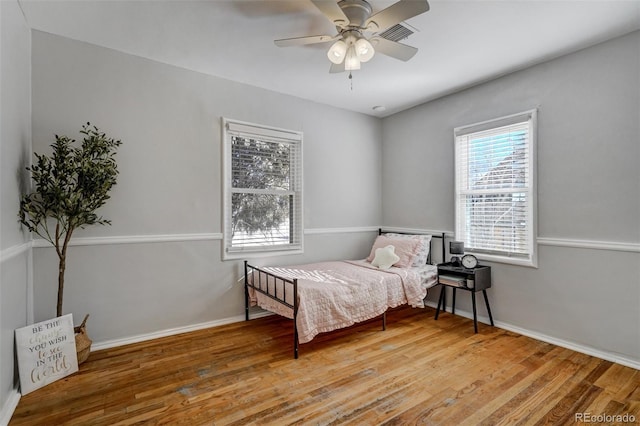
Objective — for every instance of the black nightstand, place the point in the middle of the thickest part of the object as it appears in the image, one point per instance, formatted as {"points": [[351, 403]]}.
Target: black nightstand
{"points": [[471, 280]]}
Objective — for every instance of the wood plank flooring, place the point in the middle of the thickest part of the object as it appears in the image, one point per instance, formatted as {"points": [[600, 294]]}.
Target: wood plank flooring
{"points": [[418, 371]]}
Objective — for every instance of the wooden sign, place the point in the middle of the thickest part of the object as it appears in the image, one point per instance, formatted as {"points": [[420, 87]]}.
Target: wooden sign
{"points": [[46, 352]]}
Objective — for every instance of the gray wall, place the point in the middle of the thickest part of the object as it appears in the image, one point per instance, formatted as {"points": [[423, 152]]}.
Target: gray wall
{"points": [[170, 187], [15, 151], [588, 191]]}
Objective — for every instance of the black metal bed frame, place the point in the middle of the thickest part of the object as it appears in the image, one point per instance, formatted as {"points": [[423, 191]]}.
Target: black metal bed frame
{"points": [[272, 290]]}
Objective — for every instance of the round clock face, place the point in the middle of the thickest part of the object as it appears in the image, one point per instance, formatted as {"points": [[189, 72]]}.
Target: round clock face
{"points": [[469, 261]]}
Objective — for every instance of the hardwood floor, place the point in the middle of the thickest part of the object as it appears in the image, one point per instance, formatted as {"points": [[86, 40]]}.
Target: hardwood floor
{"points": [[418, 371]]}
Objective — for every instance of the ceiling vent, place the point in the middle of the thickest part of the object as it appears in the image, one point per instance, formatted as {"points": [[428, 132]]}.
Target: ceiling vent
{"points": [[396, 33]]}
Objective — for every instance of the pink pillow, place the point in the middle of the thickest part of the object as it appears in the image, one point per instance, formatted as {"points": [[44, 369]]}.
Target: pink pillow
{"points": [[405, 248]]}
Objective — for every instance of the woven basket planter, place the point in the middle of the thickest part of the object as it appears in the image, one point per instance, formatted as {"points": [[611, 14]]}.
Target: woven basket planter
{"points": [[83, 343]]}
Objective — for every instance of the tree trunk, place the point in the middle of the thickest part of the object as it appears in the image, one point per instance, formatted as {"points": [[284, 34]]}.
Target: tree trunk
{"points": [[61, 267], [62, 255]]}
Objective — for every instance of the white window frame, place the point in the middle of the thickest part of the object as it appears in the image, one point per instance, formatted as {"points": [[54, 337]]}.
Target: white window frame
{"points": [[230, 128], [460, 139]]}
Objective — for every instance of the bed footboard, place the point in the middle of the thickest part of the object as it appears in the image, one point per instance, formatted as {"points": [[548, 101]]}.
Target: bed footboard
{"points": [[276, 288]]}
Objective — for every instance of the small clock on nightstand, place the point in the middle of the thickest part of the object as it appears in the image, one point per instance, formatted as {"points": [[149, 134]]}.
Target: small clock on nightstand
{"points": [[469, 261]]}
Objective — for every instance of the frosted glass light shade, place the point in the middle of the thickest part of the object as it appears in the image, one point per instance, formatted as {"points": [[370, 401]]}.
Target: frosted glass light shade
{"points": [[337, 52], [364, 50], [351, 61]]}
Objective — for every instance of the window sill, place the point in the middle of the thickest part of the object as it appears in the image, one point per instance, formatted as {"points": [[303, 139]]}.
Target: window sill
{"points": [[252, 254]]}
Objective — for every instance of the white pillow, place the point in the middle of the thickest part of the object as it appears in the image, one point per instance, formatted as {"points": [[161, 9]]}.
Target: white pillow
{"points": [[405, 249], [422, 251], [385, 257]]}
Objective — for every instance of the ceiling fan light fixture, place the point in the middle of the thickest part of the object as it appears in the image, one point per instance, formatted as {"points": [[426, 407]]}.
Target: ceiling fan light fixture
{"points": [[364, 50], [351, 61], [337, 52], [353, 18]]}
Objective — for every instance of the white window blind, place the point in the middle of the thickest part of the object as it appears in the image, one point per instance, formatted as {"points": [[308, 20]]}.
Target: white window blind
{"points": [[495, 188], [263, 189]]}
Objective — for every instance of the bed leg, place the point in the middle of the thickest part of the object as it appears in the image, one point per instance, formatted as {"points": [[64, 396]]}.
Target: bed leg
{"points": [[384, 320], [246, 292], [295, 318], [295, 335]]}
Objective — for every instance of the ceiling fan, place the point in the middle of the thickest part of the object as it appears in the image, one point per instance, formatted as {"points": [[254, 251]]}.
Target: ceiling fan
{"points": [[352, 19]]}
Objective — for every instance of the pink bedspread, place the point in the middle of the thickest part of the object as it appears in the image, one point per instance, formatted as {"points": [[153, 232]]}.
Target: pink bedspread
{"points": [[334, 295]]}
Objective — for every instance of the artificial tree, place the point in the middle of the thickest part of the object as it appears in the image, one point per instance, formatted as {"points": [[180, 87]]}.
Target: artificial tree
{"points": [[69, 186]]}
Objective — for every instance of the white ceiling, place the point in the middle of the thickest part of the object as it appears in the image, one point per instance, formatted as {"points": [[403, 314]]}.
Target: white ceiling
{"points": [[460, 43]]}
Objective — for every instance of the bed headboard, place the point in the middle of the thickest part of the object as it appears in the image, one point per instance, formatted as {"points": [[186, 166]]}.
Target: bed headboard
{"points": [[440, 236]]}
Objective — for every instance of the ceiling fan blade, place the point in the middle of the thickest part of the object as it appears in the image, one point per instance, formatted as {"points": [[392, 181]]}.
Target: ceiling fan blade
{"points": [[336, 68], [332, 11], [300, 41], [396, 13], [392, 48]]}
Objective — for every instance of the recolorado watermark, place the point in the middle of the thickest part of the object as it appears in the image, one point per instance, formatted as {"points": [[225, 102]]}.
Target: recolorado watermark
{"points": [[604, 418]]}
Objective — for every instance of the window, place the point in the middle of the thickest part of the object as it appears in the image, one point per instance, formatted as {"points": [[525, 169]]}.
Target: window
{"points": [[263, 189], [495, 188]]}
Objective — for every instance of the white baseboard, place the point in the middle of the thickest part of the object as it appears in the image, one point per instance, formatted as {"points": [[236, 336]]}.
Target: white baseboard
{"points": [[173, 331], [588, 350], [608, 356], [9, 407]]}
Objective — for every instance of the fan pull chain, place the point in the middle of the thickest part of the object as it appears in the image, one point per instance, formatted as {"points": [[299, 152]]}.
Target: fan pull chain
{"points": [[351, 81]]}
